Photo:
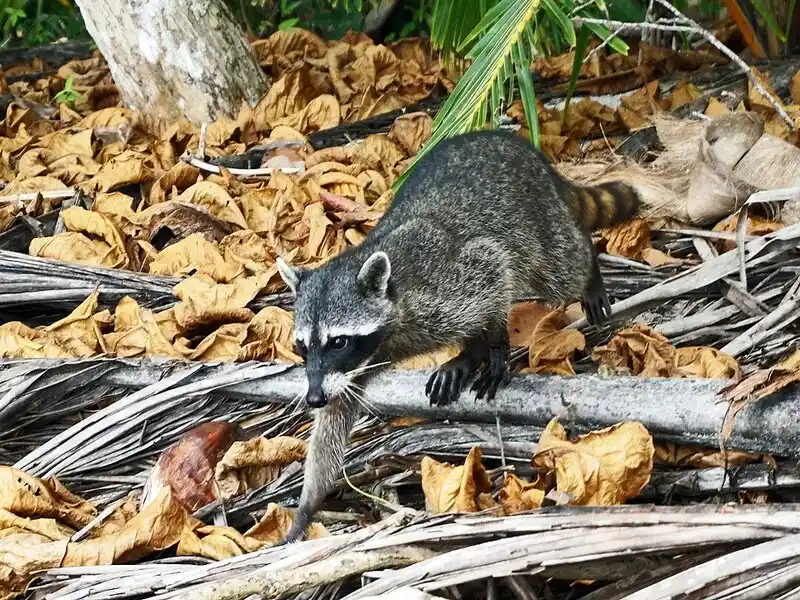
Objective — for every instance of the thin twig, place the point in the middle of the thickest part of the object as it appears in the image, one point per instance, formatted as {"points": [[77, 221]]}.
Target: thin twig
{"points": [[206, 166], [735, 58], [201, 143], [695, 28], [49, 195]]}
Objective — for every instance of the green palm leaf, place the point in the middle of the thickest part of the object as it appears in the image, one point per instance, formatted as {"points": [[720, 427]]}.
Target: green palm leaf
{"points": [[504, 49]]}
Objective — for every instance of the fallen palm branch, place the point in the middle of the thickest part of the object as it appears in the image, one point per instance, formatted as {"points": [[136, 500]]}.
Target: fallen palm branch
{"points": [[676, 410], [651, 552], [27, 281]]}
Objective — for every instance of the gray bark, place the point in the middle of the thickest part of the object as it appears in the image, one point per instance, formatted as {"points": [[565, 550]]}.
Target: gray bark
{"points": [[175, 58]]}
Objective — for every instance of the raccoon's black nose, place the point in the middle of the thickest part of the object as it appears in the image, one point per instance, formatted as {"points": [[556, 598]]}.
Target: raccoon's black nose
{"points": [[316, 399]]}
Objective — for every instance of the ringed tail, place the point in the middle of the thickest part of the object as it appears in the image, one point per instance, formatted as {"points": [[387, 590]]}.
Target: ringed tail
{"points": [[603, 205]]}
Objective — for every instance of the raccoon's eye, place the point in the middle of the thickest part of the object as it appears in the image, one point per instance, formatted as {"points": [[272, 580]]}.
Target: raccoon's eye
{"points": [[300, 349], [338, 342]]}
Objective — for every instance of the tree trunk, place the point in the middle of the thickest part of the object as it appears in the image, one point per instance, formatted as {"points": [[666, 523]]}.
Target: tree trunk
{"points": [[175, 58]]}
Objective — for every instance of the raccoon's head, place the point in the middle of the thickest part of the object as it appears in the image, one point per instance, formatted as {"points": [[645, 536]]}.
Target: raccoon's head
{"points": [[342, 313]]}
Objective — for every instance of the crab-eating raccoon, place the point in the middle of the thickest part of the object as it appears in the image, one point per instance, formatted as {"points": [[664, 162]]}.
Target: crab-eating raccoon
{"points": [[483, 219]]}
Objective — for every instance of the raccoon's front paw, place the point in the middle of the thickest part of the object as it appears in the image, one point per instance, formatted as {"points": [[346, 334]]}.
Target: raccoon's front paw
{"points": [[448, 381], [494, 373], [597, 308]]}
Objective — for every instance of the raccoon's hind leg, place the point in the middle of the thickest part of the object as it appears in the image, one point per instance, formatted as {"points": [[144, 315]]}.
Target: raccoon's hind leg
{"points": [[595, 302], [484, 358]]}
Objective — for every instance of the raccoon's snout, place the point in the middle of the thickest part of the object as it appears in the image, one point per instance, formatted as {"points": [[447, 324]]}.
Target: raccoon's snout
{"points": [[316, 399]]}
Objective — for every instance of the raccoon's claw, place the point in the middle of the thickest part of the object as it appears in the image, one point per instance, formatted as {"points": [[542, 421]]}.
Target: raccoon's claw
{"points": [[493, 374], [595, 302], [597, 308], [447, 382]]}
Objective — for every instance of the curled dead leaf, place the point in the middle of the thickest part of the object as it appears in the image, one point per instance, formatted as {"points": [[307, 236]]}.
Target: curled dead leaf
{"points": [[205, 302], [253, 463], [275, 524], [680, 455], [411, 131], [552, 346], [517, 495], [195, 254], [640, 350], [604, 467], [706, 362], [465, 488]]}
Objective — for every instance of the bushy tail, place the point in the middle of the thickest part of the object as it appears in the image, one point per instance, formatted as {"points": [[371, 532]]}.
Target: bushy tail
{"points": [[604, 205], [324, 461]]}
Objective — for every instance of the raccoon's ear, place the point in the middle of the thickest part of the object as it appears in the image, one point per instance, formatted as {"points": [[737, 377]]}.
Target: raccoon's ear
{"points": [[373, 278], [290, 275]]}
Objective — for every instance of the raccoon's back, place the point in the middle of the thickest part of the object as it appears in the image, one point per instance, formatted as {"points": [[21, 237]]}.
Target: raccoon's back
{"points": [[487, 184]]}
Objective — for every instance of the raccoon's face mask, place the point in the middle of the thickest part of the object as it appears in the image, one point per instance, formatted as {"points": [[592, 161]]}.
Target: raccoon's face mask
{"points": [[340, 320]]}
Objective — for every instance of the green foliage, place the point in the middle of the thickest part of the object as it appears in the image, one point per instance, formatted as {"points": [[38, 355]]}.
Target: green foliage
{"points": [[68, 95], [36, 22], [500, 37]]}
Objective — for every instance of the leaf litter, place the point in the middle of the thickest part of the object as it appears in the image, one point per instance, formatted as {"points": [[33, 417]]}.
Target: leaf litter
{"points": [[154, 213]]}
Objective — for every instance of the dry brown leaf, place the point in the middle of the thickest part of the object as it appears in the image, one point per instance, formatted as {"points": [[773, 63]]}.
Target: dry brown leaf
{"points": [[552, 346], [411, 131], [794, 87], [79, 332], [195, 254], [17, 340], [124, 169], [639, 349], [137, 331], [716, 109], [381, 145], [632, 240], [31, 497], [758, 102], [323, 112], [517, 495], [222, 344], [253, 463], [67, 141], [257, 208], [269, 337], [216, 543], [179, 178], [429, 360], [156, 528], [465, 488], [318, 224], [249, 250], [684, 93], [755, 225], [698, 457], [289, 95], [765, 382], [706, 362], [604, 467], [205, 302], [217, 200], [33, 184], [96, 225], [275, 524]]}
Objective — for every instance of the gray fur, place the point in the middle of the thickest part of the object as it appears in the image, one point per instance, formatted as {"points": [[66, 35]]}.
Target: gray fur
{"points": [[483, 219], [324, 461]]}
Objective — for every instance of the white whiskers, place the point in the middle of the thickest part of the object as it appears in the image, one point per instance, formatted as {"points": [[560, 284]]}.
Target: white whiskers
{"points": [[365, 368], [357, 394]]}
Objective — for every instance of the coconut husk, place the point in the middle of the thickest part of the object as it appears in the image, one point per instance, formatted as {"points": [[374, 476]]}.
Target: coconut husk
{"points": [[707, 170]]}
